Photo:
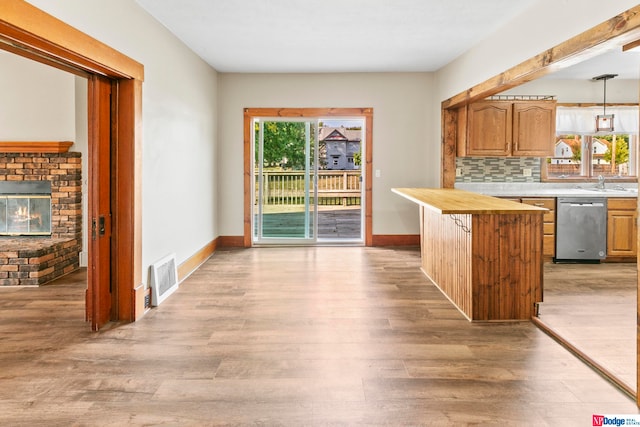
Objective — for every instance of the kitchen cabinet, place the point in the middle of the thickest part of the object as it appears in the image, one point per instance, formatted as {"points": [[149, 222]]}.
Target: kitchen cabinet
{"points": [[549, 223], [489, 128], [621, 224], [507, 128], [622, 227]]}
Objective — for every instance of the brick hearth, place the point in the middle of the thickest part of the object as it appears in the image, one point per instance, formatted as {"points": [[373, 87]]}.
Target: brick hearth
{"points": [[29, 261], [37, 260]]}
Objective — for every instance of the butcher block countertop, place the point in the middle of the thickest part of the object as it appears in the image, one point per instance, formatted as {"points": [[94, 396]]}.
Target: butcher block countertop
{"points": [[454, 201]]}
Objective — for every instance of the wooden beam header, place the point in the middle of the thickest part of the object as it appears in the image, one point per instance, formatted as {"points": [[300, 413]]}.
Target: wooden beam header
{"points": [[617, 31]]}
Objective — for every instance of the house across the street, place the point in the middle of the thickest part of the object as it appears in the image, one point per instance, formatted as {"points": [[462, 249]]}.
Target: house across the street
{"points": [[338, 147]]}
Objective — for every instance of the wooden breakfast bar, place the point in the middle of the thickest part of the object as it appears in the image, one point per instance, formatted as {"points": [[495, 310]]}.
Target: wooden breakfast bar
{"points": [[483, 253]]}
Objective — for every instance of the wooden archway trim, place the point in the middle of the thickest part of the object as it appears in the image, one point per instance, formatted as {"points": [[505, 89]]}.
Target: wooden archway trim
{"points": [[367, 113], [616, 31], [40, 36], [39, 32]]}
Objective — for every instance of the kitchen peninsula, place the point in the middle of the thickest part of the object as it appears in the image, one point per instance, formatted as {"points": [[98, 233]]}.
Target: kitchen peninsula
{"points": [[483, 253]]}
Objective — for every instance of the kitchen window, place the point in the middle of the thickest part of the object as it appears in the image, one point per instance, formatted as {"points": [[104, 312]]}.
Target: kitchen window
{"points": [[581, 153], [589, 156]]}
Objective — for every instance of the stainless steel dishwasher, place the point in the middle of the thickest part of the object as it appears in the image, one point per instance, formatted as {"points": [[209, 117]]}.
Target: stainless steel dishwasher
{"points": [[581, 229]]}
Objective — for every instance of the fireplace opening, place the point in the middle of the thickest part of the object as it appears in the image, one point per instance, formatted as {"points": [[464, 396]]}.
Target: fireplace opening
{"points": [[25, 208]]}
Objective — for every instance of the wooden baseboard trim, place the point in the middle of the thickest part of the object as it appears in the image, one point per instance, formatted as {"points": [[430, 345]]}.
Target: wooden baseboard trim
{"points": [[139, 293], [195, 260], [604, 372], [231, 241], [395, 240]]}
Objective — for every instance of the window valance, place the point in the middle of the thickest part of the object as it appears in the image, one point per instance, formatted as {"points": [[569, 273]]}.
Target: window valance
{"points": [[582, 120]]}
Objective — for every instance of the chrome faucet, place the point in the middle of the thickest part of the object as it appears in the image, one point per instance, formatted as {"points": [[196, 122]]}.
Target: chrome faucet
{"points": [[600, 182]]}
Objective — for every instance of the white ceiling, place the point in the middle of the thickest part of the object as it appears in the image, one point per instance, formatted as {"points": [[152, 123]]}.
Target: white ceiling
{"points": [[278, 36], [613, 61]]}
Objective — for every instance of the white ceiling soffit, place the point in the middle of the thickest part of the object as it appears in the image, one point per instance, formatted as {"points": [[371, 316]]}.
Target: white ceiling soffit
{"points": [[305, 36]]}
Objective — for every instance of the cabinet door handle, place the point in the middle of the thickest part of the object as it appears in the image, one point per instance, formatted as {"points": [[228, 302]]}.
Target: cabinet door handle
{"points": [[538, 204]]}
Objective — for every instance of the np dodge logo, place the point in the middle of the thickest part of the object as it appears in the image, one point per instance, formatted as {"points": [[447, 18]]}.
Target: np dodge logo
{"points": [[602, 420]]}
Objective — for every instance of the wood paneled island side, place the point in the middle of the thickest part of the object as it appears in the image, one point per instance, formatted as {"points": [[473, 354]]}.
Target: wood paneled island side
{"points": [[483, 253]]}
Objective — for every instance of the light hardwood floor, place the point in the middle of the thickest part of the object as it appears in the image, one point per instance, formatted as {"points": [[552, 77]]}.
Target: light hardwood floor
{"points": [[289, 336], [593, 307]]}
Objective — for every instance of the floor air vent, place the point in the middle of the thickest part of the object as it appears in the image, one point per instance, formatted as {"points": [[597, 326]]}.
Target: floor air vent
{"points": [[164, 279]]}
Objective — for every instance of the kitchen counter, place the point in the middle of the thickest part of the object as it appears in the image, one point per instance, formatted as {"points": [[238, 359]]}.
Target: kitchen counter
{"points": [[455, 201], [483, 253], [539, 189]]}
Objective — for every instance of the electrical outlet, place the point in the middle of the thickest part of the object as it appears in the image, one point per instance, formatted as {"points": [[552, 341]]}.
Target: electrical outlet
{"points": [[458, 171], [526, 172]]}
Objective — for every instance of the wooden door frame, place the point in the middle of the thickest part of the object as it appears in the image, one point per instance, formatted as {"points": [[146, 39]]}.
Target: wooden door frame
{"points": [[251, 113], [617, 31], [36, 35]]}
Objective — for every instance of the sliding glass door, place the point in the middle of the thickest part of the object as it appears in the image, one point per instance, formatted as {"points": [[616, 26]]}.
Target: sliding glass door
{"points": [[307, 181], [285, 157]]}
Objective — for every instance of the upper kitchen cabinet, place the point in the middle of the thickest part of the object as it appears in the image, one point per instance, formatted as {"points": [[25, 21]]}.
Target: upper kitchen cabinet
{"points": [[507, 128], [489, 128], [534, 128]]}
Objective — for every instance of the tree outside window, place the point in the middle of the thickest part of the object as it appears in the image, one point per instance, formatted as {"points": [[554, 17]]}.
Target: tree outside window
{"points": [[588, 156]]}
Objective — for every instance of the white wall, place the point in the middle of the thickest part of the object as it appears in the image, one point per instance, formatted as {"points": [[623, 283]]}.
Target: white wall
{"points": [[401, 112], [37, 101], [179, 124]]}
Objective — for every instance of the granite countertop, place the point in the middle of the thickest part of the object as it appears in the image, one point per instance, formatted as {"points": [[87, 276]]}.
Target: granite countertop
{"points": [[539, 189], [454, 201]]}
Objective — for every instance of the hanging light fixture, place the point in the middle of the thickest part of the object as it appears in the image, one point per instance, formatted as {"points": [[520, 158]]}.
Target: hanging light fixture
{"points": [[604, 121]]}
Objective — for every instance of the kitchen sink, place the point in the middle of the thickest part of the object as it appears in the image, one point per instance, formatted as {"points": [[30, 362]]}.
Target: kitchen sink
{"points": [[612, 190]]}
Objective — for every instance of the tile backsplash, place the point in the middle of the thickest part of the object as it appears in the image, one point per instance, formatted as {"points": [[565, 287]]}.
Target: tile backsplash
{"points": [[498, 169]]}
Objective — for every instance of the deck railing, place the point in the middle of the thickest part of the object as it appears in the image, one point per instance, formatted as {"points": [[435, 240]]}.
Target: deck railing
{"points": [[287, 187]]}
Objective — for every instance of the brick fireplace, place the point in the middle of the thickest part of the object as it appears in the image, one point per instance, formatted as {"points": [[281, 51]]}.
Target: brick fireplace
{"points": [[35, 260]]}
